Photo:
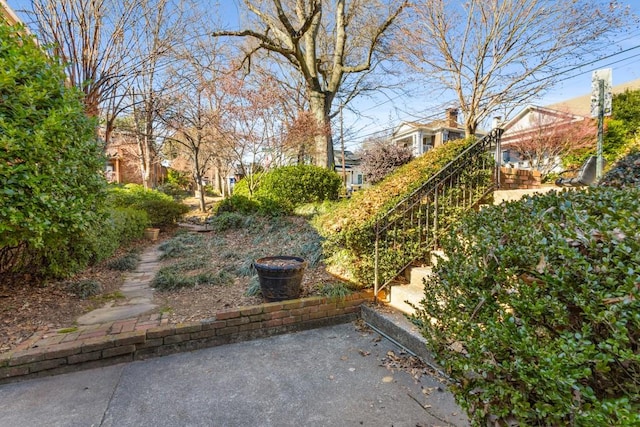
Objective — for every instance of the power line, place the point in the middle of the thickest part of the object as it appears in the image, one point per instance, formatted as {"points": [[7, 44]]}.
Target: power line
{"points": [[431, 116]]}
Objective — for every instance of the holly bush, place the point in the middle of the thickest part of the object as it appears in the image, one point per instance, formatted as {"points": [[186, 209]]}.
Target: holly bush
{"points": [[50, 161], [535, 313]]}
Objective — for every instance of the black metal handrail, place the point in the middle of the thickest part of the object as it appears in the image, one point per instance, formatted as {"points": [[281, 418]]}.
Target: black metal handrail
{"points": [[409, 230]]}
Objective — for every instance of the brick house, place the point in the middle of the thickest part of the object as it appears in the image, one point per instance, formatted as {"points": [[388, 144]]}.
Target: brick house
{"points": [[123, 164]]}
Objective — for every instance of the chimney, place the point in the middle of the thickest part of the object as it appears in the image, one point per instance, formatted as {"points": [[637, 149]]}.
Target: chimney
{"points": [[452, 117]]}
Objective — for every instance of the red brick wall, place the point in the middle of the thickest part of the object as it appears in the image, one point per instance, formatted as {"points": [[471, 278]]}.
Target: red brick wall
{"points": [[519, 179], [147, 339]]}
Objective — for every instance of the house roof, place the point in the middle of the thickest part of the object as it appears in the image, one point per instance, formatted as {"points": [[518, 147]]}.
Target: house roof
{"points": [[510, 126], [581, 105], [8, 14], [431, 126], [531, 118]]}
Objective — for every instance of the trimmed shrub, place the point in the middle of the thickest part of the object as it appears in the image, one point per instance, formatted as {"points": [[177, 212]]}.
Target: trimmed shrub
{"points": [[50, 162], [226, 221], [119, 226], [128, 224], [349, 227], [173, 190], [161, 209], [535, 312], [281, 190], [237, 203]]}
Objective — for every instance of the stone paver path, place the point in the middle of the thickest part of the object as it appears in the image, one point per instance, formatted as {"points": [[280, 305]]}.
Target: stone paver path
{"points": [[136, 290], [118, 320]]}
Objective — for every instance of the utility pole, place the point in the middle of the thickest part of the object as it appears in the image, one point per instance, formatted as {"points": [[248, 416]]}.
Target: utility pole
{"points": [[600, 160], [601, 82], [344, 170]]}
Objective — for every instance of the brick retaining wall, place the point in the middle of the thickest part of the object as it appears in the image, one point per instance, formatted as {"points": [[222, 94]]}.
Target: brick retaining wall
{"points": [[519, 179], [150, 340]]}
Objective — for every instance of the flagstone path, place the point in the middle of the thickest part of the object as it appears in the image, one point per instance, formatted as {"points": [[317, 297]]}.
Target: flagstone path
{"points": [[137, 292]]}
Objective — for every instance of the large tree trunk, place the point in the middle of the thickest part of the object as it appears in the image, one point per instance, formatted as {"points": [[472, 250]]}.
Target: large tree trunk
{"points": [[320, 108]]}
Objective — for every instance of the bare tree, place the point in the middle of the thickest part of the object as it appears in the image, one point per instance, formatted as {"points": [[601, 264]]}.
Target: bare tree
{"points": [[91, 37], [500, 53], [549, 137], [159, 32], [324, 49], [380, 158], [190, 116]]}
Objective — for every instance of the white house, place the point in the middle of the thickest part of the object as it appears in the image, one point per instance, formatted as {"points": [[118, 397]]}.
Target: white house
{"points": [[541, 122], [351, 173], [422, 137], [536, 123]]}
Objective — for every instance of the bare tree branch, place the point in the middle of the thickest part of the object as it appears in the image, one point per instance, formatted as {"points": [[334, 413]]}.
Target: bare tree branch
{"points": [[497, 54]]}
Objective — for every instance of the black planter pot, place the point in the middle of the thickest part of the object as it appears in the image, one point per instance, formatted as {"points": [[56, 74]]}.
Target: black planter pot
{"points": [[280, 276]]}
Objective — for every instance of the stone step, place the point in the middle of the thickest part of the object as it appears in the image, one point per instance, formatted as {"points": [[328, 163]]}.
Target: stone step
{"points": [[403, 296]]}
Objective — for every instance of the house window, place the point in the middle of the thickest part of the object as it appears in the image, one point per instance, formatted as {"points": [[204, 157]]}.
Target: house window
{"points": [[506, 157], [359, 182]]}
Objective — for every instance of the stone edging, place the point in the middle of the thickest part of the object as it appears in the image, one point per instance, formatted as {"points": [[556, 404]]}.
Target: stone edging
{"points": [[238, 324]]}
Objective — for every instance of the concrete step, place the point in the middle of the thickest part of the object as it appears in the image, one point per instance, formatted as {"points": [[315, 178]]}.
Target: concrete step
{"points": [[402, 295], [393, 323]]}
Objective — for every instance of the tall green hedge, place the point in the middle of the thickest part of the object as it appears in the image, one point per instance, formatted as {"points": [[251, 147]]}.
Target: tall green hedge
{"points": [[161, 209], [50, 160], [535, 313]]}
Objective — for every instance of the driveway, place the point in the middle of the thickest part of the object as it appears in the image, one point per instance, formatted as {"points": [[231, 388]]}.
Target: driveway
{"points": [[333, 376]]}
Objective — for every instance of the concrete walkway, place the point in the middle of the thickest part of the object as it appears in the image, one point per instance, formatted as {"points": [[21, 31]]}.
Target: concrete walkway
{"points": [[136, 290], [331, 376]]}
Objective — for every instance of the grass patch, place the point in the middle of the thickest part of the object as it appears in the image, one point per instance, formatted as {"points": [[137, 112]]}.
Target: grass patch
{"points": [[127, 262], [108, 297], [254, 287], [335, 290], [84, 289], [182, 245], [68, 330]]}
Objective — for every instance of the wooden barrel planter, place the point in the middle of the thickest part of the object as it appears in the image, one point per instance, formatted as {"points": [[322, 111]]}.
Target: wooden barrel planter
{"points": [[151, 233], [280, 277]]}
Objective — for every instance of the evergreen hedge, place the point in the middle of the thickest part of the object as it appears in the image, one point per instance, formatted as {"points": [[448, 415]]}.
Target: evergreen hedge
{"points": [[50, 162], [535, 313]]}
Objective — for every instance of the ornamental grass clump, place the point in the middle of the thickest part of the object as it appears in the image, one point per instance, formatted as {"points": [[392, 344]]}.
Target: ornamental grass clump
{"points": [[535, 313]]}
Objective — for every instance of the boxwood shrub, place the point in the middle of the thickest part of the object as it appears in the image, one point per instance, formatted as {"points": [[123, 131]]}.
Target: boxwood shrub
{"points": [[161, 209], [536, 311], [283, 189]]}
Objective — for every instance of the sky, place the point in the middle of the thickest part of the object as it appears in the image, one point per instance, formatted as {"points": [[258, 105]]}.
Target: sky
{"points": [[369, 115]]}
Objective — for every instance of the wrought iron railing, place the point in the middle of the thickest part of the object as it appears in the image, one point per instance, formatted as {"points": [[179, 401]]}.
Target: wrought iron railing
{"points": [[410, 230]]}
